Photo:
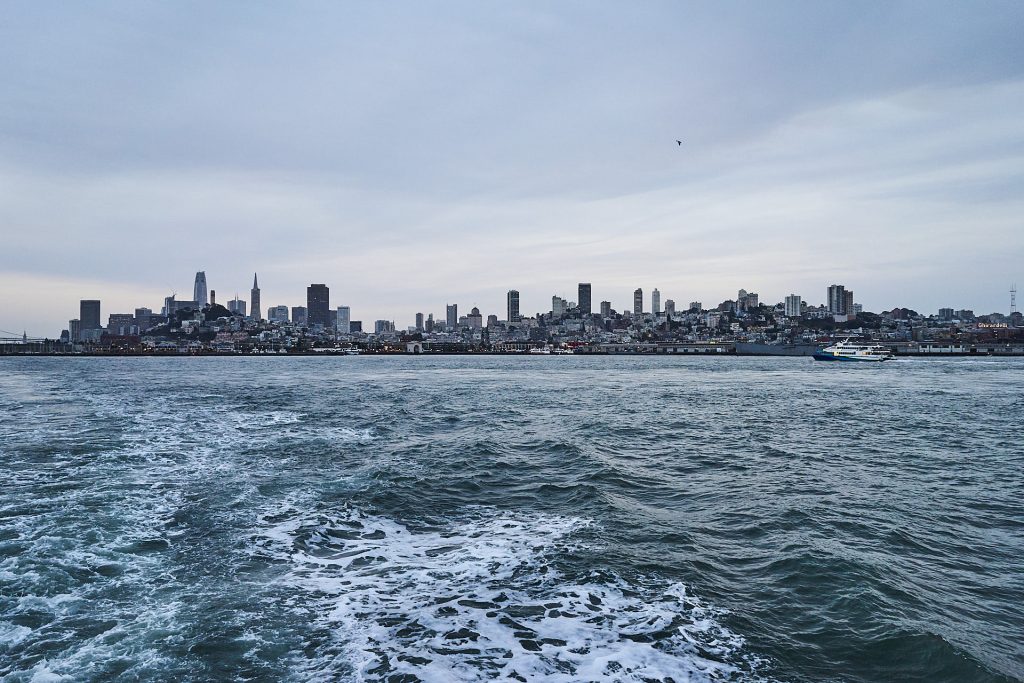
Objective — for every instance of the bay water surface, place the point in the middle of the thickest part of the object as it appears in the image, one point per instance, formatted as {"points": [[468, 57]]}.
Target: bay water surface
{"points": [[463, 518]]}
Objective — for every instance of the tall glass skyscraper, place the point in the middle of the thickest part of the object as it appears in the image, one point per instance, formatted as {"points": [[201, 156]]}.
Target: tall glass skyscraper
{"points": [[318, 303], [89, 314], [199, 290], [513, 306], [584, 299]]}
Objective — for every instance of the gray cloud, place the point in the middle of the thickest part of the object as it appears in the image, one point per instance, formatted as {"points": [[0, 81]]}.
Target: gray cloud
{"points": [[414, 154]]}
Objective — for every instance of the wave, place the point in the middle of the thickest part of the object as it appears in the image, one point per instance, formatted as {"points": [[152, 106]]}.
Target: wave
{"points": [[484, 598]]}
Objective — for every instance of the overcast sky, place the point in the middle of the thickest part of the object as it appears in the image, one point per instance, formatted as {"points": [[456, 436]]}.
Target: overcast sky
{"points": [[413, 154]]}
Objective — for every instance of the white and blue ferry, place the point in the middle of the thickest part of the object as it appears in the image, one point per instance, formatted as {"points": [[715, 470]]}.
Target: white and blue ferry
{"points": [[849, 351]]}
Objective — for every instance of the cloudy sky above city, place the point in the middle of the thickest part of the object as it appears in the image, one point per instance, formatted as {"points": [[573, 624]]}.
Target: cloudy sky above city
{"points": [[410, 155]]}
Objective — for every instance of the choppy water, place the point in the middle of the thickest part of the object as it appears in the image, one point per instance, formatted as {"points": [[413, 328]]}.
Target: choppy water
{"points": [[528, 518]]}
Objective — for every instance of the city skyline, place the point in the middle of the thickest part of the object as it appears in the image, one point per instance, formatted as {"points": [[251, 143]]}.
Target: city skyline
{"points": [[484, 147], [838, 299]]}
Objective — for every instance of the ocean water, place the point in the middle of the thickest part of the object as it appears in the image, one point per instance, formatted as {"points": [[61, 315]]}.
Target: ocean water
{"points": [[511, 518]]}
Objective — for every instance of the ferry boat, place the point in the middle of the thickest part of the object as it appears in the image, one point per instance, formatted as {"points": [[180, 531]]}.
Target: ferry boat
{"points": [[850, 351]]}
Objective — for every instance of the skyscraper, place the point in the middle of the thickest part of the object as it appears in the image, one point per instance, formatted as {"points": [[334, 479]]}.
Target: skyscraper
{"points": [[318, 302], [344, 319], [453, 316], [299, 315], [254, 299], [837, 299], [584, 299], [89, 314], [655, 301], [606, 309], [237, 306], [419, 322], [513, 306], [670, 307], [793, 302], [638, 301], [199, 289]]}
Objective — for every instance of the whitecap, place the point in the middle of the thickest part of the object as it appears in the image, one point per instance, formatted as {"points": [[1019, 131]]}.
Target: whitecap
{"points": [[485, 598]]}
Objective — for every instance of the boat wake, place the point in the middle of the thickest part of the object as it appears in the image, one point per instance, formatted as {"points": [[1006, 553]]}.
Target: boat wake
{"points": [[483, 599]]}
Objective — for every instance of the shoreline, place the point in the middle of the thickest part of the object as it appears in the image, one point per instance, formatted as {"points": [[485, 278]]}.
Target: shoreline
{"points": [[1014, 353]]}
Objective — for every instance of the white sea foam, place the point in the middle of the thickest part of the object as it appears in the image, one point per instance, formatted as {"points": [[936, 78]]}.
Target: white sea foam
{"points": [[484, 599], [12, 634]]}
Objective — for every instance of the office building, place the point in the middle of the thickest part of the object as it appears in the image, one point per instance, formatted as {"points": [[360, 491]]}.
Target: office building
{"points": [[430, 322], [793, 308], [638, 301], [236, 306], [837, 299], [277, 314], [318, 302], [255, 312], [670, 307], [299, 315], [513, 306], [89, 314], [172, 306], [121, 324], [696, 306], [474, 319], [606, 309], [419, 322], [381, 326], [344, 319], [75, 330], [848, 302], [143, 317], [655, 301], [584, 299], [452, 316], [559, 306], [355, 326], [199, 289]]}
